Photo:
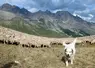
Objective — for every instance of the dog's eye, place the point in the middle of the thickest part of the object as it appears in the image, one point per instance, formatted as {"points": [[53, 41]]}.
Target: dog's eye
{"points": [[65, 50], [72, 50]]}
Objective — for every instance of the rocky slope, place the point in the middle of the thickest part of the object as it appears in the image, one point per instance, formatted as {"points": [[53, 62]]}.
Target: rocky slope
{"points": [[44, 23]]}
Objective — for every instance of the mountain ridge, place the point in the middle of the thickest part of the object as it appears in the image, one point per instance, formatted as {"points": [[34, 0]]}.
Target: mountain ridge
{"points": [[42, 23]]}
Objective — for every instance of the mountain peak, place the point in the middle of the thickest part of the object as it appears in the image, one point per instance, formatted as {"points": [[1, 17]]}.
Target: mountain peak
{"points": [[6, 5], [47, 11], [14, 9], [25, 11]]}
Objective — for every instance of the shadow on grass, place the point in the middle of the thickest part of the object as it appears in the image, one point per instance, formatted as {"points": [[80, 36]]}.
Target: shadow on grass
{"points": [[63, 59], [9, 65]]}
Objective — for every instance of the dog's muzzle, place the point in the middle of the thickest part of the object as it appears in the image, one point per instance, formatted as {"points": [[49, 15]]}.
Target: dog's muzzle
{"points": [[68, 55]]}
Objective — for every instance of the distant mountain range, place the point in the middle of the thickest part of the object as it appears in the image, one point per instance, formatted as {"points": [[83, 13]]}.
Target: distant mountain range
{"points": [[44, 23]]}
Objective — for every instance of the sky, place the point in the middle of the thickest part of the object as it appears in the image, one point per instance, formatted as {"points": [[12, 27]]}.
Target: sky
{"points": [[82, 8]]}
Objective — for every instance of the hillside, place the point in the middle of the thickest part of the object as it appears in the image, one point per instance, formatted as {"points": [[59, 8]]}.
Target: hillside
{"points": [[9, 36], [44, 23], [20, 50]]}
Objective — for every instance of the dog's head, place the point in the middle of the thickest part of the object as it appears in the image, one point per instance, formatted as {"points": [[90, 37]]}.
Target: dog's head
{"points": [[70, 48], [68, 52]]}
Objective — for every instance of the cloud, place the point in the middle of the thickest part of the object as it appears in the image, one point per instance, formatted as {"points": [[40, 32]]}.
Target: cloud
{"points": [[91, 15], [88, 18], [33, 10], [76, 6], [79, 7], [17, 1], [86, 14], [88, 2], [43, 4], [2, 1], [54, 4], [56, 10], [50, 4]]}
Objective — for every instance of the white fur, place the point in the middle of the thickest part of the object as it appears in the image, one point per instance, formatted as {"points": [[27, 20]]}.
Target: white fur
{"points": [[69, 51]]}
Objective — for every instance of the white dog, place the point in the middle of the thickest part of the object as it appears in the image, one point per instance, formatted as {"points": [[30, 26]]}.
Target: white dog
{"points": [[69, 52]]}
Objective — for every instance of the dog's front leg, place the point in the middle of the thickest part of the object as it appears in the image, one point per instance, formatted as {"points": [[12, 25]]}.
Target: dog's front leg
{"points": [[66, 63], [71, 61]]}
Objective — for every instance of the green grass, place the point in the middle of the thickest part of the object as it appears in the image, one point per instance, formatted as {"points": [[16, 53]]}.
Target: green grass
{"points": [[73, 34], [20, 25], [40, 29]]}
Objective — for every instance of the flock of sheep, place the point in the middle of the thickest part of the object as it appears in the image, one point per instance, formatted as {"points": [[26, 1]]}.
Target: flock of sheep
{"points": [[8, 36]]}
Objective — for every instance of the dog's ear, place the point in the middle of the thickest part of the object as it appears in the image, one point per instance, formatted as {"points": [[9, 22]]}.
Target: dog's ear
{"points": [[74, 42], [64, 44]]}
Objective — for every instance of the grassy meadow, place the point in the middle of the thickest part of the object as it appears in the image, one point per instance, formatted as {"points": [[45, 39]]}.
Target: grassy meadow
{"points": [[45, 57]]}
